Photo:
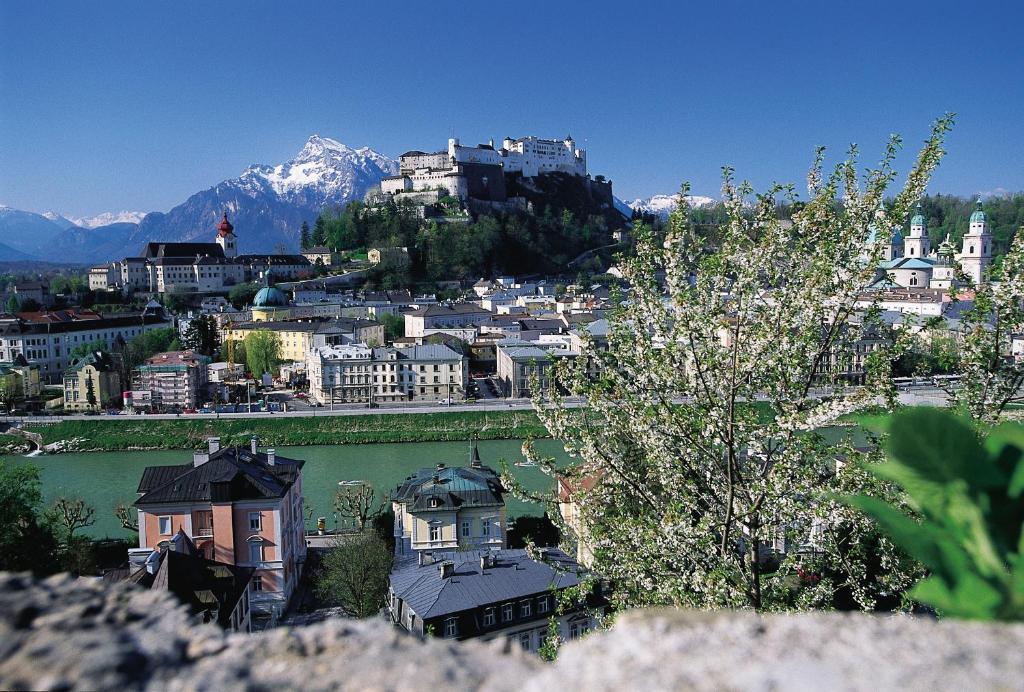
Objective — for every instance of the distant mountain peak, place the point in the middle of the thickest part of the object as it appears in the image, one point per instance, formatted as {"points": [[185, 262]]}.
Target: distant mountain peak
{"points": [[662, 205]]}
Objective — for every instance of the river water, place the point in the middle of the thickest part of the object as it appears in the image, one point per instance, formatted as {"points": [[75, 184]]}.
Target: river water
{"points": [[105, 478]]}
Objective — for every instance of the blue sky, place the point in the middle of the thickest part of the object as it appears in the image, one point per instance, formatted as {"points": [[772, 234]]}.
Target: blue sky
{"points": [[135, 105]]}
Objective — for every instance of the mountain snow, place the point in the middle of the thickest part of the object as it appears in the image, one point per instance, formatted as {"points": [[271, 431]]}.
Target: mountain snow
{"points": [[324, 171], [107, 218], [662, 205]]}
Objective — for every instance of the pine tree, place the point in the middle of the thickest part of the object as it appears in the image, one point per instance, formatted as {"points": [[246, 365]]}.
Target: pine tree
{"points": [[304, 236], [319, 232], [90, 391]]}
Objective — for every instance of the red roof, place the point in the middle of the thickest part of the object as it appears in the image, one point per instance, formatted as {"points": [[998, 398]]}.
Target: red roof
{"points": [[224, 227]]}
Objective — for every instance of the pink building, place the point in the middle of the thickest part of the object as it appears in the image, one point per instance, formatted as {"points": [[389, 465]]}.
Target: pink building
{"points": [[239, 506]]}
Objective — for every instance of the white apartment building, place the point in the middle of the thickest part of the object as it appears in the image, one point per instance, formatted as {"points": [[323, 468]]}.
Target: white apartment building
{"points": [[356, 373]]}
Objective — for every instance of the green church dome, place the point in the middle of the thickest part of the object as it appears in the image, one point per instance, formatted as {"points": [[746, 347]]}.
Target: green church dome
{"points": [[978, 216], [269, 296], [918, 218]]}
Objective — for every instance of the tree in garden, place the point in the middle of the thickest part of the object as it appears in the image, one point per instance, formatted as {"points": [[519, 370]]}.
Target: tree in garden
{"points": [[72, 514], [8, 392], [967, 494], [355, 501], [354, 574], [262, 351], [126, 516], [703, 504], [12, 305], [201, 335], [90, 390]]}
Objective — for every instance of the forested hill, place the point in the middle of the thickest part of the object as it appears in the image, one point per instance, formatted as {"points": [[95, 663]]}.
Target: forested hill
{"points": [[566, 218], [951, 214]]}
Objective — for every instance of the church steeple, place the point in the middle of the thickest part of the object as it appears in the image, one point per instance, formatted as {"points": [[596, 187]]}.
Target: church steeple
{"points": [[977, 249], [918, 244], [226, 237]]}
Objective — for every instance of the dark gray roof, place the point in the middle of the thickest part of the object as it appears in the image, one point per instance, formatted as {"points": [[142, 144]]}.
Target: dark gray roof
{"points": [[231, 474], [512, 575], [165, 250]]}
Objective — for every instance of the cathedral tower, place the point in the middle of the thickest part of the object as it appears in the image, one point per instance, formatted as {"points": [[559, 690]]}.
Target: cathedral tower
{"points": [[918, 244], [977, 251]]}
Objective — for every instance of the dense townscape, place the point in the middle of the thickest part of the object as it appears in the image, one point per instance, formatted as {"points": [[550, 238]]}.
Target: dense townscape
{"points": [[538, 400]]}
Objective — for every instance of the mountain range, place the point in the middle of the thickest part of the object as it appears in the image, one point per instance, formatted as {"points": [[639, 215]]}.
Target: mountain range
{"points": [[266, 203]]}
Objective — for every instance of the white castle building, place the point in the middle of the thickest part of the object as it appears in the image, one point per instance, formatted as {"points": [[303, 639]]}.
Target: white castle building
{"points": [[464, 171], [193, 267], [910, 263]]}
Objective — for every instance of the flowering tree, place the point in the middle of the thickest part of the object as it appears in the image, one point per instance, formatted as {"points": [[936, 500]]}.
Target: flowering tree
{"points": [[990, 378], [702, 423]]}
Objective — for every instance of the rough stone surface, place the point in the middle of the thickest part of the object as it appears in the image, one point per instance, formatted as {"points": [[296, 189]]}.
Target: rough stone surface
{"points": [[65, 633]]}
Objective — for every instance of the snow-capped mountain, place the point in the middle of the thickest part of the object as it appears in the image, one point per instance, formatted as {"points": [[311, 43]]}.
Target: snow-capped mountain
{"points": [[107, 218], [268, 203], [662, 205]]}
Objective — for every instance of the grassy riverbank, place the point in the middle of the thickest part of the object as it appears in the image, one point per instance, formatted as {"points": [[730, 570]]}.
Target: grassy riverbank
{"points": [[112, 434]]}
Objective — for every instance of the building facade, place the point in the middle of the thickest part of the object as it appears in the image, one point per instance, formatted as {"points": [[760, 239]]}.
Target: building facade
{"points": [[456, 315], [356, 373], [93, 382], [47, 339], [239, 506], [171, 381]]}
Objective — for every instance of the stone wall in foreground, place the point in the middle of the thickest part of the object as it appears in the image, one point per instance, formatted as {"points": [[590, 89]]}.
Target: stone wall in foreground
{"points": [[65, 633]]}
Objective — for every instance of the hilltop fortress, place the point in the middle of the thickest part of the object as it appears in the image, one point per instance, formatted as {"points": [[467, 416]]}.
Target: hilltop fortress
{"points": [[483, 172]]}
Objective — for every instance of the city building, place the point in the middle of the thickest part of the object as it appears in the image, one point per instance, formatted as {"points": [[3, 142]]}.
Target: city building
{"points": [[196, 268], [239, 506], [47, 339], [356, 373], [449, 508], [322, 255], [392, 255], [487, 595], [519, 361], [172, 381], [215, 592], [93, 382], [19, 381], [299, 336], [444, 316]]}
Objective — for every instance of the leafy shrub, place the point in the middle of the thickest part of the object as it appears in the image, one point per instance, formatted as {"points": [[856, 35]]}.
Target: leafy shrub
{"points": [[966, 488]]}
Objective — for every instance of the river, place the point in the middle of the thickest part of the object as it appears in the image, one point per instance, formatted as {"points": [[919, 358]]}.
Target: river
{"points": [[105, 478]]}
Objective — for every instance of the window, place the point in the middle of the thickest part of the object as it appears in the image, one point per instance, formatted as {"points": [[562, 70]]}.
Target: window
{"points": [[465, 529], [435, 533], [506, 612], [485, 527], [574, 631], [257, 583], [451, 627], [256, 551], [526, 609], [165, 526], [488, 617], [542, 604], [525, 639], [255, 521]]}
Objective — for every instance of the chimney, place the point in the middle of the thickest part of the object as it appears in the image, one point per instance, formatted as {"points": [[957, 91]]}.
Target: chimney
{"points": [[271, 457], [214, 444], [447, 568], [153, 562], [200, 457], [254, 444], [485, 562], [424, 558]]}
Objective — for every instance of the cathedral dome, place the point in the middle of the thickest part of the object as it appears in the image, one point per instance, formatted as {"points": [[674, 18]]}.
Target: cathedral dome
{"points": [[225, 227], [269, 296], [978, 216]]}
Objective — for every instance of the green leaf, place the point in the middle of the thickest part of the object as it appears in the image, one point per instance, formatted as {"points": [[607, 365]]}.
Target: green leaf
{"points": [[939, 447]]}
